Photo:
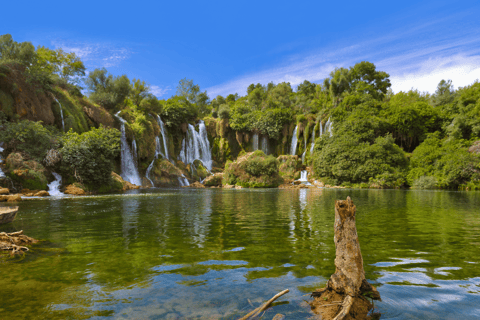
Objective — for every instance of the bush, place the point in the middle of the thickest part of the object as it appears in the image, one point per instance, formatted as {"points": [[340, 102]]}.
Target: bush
{"points": [[28, 137], [89, 156], [253, 170], [224, 111]]}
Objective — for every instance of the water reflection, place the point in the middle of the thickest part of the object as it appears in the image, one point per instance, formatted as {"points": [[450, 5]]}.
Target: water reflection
{"points": [[203, 253]]}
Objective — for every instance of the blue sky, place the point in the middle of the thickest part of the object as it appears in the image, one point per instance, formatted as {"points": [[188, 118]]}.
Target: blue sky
{"points": [[224, 45]]}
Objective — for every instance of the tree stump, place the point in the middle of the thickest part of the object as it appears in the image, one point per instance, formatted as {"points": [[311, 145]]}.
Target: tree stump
{"points": [[345, 296]]}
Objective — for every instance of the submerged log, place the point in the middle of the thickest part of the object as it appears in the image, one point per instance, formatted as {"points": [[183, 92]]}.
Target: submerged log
{"points": [[348, 283], [255, 313], [15, 242]]}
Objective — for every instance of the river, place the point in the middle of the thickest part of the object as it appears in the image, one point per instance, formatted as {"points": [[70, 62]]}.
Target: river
{"points": [[217, 254]]}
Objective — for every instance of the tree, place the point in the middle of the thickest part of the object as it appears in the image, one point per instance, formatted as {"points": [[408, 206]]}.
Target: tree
{"points": [[140, 90], [187, 89], [338, 83], [107, 90], [366, 79], [444, 94], [66, 65], [306, 88], [23, 52]]}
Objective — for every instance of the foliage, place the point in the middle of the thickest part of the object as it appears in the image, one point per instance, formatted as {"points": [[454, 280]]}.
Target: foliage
{"points": [[89, 156], [178, 110], [29, 137], [425, 182], [107, 90], [224, 111]]}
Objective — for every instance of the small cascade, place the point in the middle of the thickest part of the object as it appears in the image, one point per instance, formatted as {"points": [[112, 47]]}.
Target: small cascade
{"points": [[303, 176], [54, 186], [305, 150], [264, 144], [61, 114], [293, 146], [196, 146], [2, 174], [163, 131], [128, 168], [313, 139], [183, 181], [328, 127], [255, 141], [135, 154], [321, 129]]}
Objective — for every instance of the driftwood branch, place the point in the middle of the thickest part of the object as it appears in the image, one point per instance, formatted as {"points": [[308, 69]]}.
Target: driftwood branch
{"points": [[256, 312], [14, 242]]}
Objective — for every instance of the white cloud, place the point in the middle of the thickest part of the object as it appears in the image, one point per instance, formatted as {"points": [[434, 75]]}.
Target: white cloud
{"points": [[95, 55], [418, 56], [158, 92]]}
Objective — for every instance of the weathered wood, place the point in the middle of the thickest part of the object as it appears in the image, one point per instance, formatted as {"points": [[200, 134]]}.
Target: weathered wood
{"points": [[263, 307], [348, 282]]}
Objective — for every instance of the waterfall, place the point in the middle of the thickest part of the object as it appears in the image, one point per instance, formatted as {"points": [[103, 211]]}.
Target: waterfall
{"points": [[128, 168], [293, 147], [2, 174], [264, 144], [305, 148], [328, 127], [183, 181], [54, 186], [196, 146], [313, 139], [321, 129], [157, 152], [303, 176], [255, 141], [135, 154], [163, 131], [61, 113]]}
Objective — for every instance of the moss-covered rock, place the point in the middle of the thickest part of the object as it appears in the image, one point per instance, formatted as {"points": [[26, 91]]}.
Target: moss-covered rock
{"points": [[165, 174], [214, 180], [290, 166], [253, 170], [198, 171], [30, 174]]}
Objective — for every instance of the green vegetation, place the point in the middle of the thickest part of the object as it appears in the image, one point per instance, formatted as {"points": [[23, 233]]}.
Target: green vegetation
{"points": [[253, 170], [380, 139], [90, 155]]}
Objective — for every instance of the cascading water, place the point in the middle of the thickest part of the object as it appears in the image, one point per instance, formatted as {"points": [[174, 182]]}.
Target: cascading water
{"points": [[2, 174], [313, 139], [255, 141], [128, 168], [157, 153], [135, 154], [196, 146], [54, 186], [328, 127], [293, 146], [183, 181], [163, 131], [61, 114], [264, 144], [303, 176]]}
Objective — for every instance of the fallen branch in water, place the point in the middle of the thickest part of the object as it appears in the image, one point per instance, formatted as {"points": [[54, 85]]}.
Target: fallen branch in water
{"points": [[15, 242], [265, 306]]}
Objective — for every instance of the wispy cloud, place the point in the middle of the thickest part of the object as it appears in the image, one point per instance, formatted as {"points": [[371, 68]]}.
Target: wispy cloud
{"points": [[417, 56], [95, 55], [158, 91]]}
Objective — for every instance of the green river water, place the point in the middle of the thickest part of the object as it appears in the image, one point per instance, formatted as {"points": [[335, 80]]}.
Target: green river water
{"points": [[217, 254]]}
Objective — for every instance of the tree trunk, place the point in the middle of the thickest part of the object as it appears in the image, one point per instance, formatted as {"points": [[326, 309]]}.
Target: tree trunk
{"points": [[348, 283]]}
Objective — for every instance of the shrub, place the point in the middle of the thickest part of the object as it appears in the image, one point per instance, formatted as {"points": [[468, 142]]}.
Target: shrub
{"points": [[28, 137], [89, 156], [253, 170], [224, 111]]}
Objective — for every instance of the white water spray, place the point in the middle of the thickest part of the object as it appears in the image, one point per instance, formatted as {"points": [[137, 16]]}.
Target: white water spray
{"points": [[313, 139], [293, 146], [128, 168], [54, 186], [255, 141], [264, 144], [196, 146], [61, 114], [2, 174]]}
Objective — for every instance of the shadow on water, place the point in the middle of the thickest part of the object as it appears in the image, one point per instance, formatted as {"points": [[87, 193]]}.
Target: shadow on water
{"points": [[203, 254]]}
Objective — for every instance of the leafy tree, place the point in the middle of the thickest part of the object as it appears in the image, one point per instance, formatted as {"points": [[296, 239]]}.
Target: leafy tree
{"points": [[89, 156], [365, 78], [338, 82], [306, 88], [140, 90], [107, 90], [10, 50], [444, 94], [178, 110]]}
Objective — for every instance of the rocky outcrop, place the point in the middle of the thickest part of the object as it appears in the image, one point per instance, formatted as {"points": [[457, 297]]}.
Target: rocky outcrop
{"points": [[17, 97], [214, 180], [253, 170], [290, 167], [196, 185], [125, 184], [165, 174], [74, 190], [30, 174], [98, 115]]}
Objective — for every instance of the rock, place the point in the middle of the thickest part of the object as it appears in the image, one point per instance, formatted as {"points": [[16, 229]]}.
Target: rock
{"points": [[42, 193], [196, 184], [238, 187], [4, 191], [74, 190], [290, 167], [14, 198], [125, 184], [99, 116], [214, 180], [228, 186]]}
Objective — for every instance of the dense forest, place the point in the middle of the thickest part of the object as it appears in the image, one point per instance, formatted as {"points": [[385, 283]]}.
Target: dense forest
{"points": [[57, 117]]}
